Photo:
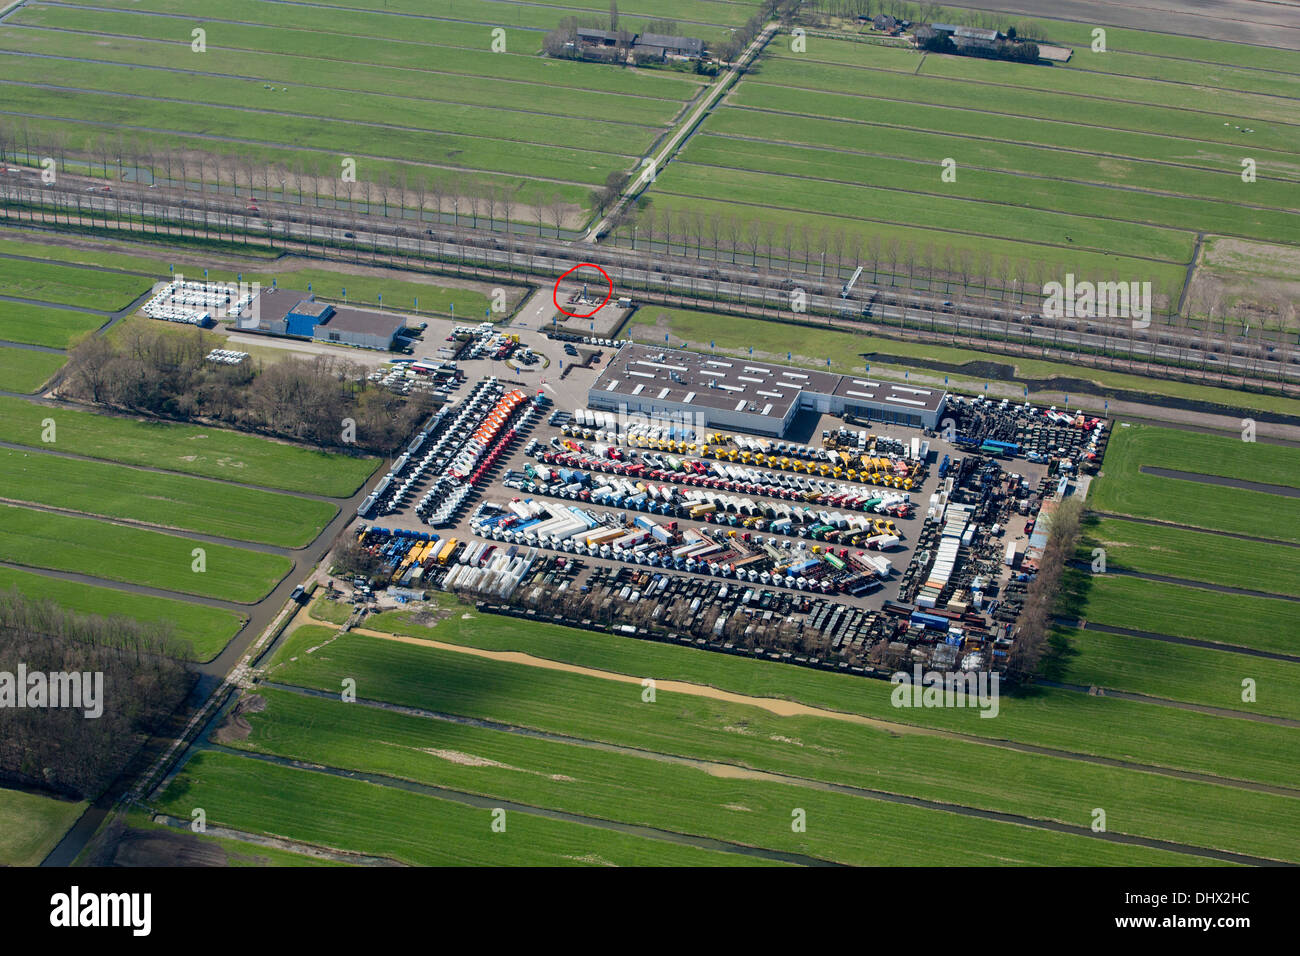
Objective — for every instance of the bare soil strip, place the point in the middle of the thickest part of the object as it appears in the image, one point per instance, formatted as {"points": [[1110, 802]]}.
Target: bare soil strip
{"points": [[791, 708], [734, 772]]}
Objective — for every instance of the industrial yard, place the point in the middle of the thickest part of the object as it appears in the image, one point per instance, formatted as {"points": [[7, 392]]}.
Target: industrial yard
{"points": [[690, 433]]}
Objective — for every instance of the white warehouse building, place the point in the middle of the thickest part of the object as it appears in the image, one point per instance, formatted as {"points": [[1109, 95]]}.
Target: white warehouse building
{"points": [[748, 395]]}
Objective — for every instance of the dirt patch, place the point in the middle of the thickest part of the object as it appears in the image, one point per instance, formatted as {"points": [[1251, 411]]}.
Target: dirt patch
{"points": [[470, 760], [463, 759], [163, 848], [782, 708], [236, 726], [1238, 282]]}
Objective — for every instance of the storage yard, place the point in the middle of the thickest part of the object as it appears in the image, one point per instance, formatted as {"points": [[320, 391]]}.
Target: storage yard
{"points": [[892, 537], [830, 536]]}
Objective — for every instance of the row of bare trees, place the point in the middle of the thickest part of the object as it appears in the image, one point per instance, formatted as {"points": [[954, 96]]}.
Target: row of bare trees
{"points": [[157, 371], [309, 192], [1033, 628], [63, 749]]}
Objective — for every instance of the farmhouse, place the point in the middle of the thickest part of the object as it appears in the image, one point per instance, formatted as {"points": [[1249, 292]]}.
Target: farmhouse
{"points": [[285, 312], [604, 44], [657, 44], [749, 395], [589, 37]]}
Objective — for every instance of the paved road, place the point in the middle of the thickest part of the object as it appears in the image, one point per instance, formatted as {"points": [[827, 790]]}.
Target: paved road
{"points": [[646, 174]]}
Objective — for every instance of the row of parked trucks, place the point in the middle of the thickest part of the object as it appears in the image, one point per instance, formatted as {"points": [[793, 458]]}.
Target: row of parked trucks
{"points": [[732, 478], [884, 470], [406, 556], [854, 527], [688, 440], [486, 569], [642, 540]]}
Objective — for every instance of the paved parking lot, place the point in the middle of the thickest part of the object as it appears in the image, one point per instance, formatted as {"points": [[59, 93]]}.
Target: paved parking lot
{"points": [[570, 392]]}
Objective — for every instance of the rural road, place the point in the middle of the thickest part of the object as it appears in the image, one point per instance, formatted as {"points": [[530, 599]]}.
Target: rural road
{"points": [[652, 166]]}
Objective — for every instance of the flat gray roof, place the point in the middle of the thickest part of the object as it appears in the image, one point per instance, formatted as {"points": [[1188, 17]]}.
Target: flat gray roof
{"points": [[365, 323], [275, 304], [685, 44], [863, 389], [737, 384], [311, 307], [706, 381]]}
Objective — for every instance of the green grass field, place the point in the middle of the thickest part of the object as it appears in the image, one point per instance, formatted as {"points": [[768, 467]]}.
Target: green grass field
{"points": [[238, 853], [1058, 719], [640, 790], [87, 546], [1203, 454], [23, 370], [1095, 171], [69, 285], [1123, 489], [43, 325], [58, 328], [414, 828], [1194, 555], [191, 449], [933, 767], [435, 96], [177, 502], [1195, 675], [31, 826], [207, 629], [1265, 624], [336, 612]]}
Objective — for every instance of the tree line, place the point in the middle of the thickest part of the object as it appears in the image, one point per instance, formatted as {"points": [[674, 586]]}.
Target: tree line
{"points": [[164, 372], [1034, 626], [60, 749]]}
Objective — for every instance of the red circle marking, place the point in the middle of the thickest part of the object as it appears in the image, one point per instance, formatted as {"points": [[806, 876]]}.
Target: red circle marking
{"points": [[555, 294]]}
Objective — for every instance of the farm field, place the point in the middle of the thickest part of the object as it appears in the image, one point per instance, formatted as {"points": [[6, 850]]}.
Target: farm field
{"points": [[1123, 489], [338, 282], [1193, 555], [176, 847], [44, 325], [207, 629], [1085, 170], [1048, 718], [190, 449], [735, 334], [1192, 674], [69, 285], [333, 612], [443, 104], [176, 502], [1047, 788], [1135, 446], [411, 827], [633, 789], [1264, 624], [88, 546], [24, 370], [32, 825]]}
